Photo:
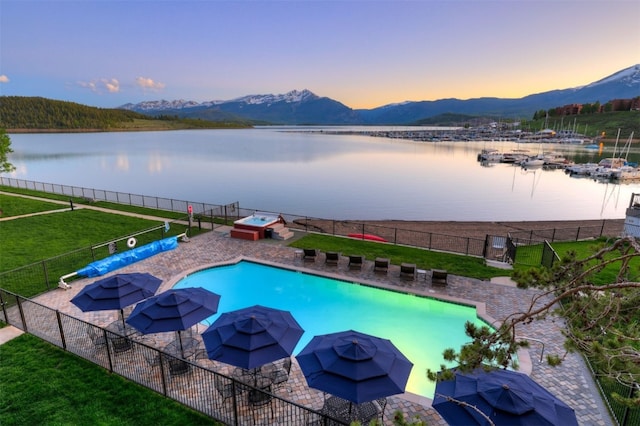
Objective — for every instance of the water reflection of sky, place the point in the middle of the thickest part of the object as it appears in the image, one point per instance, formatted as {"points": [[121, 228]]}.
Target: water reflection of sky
{"points": [[335, 176]]}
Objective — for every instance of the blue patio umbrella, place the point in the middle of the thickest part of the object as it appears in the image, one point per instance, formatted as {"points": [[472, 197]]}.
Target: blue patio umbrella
{"points": [[116, 292], [506, 397], [174, 310], [252, 337], [354, 366]]}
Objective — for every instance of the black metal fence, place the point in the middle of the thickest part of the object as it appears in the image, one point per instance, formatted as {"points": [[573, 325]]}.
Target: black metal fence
{"points": [[93, 195], [214, 394], [490, 247], [43, 276]]}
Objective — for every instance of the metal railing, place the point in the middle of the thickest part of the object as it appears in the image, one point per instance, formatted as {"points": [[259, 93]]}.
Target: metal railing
{"points": [[213, 213], [214, 394]]}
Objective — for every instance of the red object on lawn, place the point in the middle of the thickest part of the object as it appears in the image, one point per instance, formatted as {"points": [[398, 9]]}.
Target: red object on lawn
{"points": [[367, 237]]}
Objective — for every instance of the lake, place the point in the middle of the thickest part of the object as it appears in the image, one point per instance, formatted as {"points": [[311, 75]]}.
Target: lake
{"points": [[311, 173]]}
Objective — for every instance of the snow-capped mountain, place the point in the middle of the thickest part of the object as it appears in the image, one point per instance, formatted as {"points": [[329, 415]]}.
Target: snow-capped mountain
{"points": [[159, 105], [289, 97], [305, 107], [629, 76], [294, 96]]}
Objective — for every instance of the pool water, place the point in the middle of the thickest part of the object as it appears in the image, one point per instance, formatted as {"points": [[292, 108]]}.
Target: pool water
{"points": [[421, 328]]}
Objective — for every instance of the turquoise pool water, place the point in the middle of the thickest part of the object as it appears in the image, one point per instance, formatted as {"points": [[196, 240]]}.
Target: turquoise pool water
{"points": [[420, 327]]}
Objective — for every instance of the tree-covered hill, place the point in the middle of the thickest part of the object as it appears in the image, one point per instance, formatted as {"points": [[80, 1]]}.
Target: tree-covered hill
{"points": [[18, 113]]}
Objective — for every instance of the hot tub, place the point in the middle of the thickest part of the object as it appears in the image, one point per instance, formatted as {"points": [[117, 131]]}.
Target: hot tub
{"points": [[257, 222]]}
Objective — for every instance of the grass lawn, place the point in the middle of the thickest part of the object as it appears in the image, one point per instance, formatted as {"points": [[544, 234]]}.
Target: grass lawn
{"points": [[586, 248], [467, 266], [44, 385], [32, 239], [17, 206]]}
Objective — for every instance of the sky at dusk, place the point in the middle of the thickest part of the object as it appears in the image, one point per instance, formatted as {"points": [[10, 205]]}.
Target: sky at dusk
{"points": [[362, 53]]}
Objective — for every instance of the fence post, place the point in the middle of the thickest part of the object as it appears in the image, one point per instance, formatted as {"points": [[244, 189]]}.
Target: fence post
{"points": [[234, 391], [4, 309], [486, 246], [64, 342], [46, 275], [578, 234], [553, 235], [625, 416], [21, 311]]}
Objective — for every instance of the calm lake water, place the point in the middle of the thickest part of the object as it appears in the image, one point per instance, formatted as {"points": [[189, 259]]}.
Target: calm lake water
{"points": [[321, 175]]}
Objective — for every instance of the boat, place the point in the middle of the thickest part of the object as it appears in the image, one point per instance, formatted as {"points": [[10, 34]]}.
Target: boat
{"points": [[370, 237], [515, 156], [584, 169], [536, 161], [490, 155], [625, 173], [554, 159]]}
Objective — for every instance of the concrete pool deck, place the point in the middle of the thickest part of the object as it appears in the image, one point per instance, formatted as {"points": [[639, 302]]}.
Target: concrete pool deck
{"points": [[571, 381]]}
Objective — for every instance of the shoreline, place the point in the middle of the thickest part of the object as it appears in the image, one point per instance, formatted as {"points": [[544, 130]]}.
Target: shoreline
{"points": [[480, 229]]}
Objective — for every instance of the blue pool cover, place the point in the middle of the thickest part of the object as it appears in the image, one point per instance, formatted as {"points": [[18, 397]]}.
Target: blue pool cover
{"points": [[119, 260]]}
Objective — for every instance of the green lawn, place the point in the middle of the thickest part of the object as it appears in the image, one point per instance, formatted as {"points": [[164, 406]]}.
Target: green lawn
{"points": [[467, 266], [35, 238], [17, 206], [44, 385]]}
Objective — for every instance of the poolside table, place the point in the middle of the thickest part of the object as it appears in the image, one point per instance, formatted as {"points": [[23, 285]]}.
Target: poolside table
{"points": [[121, 329], [347, 411], [189, 347]]}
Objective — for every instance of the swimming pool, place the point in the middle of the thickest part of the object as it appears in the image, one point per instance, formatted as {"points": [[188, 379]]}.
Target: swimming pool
{"points": [[420, 327]]}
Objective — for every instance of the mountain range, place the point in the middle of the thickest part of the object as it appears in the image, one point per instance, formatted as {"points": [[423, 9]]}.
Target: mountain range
{"points": [[304, 107]]}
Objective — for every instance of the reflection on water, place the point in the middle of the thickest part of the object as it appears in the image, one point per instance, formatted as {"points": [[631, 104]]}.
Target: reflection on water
{"points": [[321, 175]]}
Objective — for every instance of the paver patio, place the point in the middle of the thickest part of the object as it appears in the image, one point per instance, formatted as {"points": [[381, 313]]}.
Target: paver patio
{"points": [[571, 381]]}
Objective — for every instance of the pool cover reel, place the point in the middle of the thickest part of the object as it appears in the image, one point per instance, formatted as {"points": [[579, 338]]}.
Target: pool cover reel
{"points": [[119, 260]]}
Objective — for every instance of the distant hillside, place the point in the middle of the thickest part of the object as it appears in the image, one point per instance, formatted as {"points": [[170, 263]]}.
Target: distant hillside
{"points": [[305, 107], [19, 113]]}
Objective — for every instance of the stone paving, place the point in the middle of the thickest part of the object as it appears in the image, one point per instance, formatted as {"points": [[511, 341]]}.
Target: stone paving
{"points": [[571, 381]]}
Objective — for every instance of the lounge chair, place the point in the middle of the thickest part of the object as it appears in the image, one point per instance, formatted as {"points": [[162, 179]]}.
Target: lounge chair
{"points": [[439, 277], [310, 255], [356, 261], [381, 265], [332, 258], [408, 271]]}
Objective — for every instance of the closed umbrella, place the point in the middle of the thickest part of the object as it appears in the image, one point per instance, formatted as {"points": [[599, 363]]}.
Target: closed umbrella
{"points": [[354, 366], [116, 292], [252, 337], [506, 397], [174, 310]]}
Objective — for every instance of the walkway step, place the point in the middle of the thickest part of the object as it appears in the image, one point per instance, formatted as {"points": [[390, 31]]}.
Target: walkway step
{"points": [[9, 332]]}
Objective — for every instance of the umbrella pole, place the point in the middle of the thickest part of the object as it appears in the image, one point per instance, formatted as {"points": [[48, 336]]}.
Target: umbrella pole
{"points": [[180, 340], [124, 326]]}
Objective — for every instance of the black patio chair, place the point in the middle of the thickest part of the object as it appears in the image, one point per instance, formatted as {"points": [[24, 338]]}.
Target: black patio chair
{"points": [[310, 255], [178, 367], [332, 258], [356, 261], [280, 375], [408, 271], [381, 265], [121, 344], [98, 338]]}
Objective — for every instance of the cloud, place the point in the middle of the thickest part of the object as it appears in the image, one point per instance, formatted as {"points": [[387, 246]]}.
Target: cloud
{"points": [[110, 85], [4, 79], [146, 83]]}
